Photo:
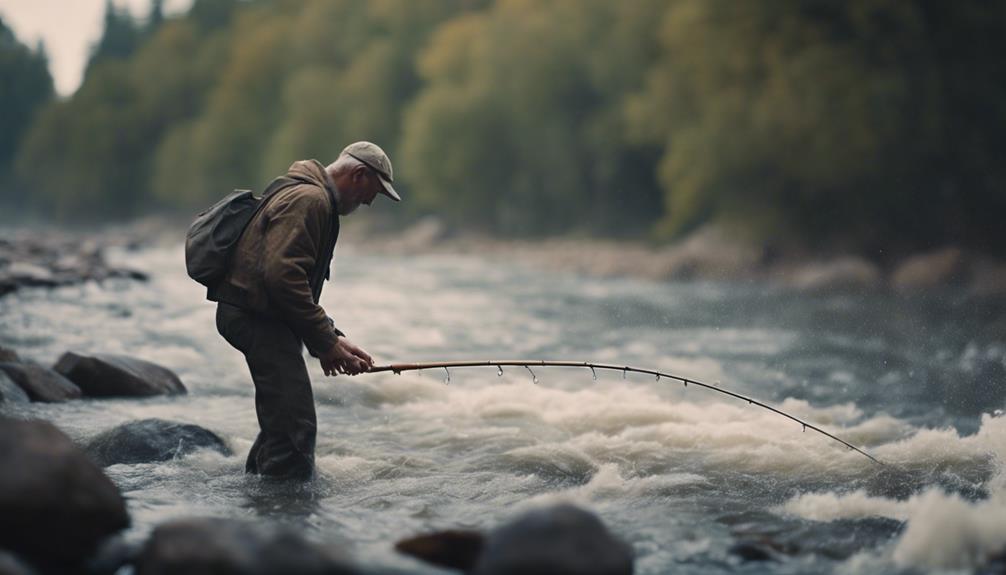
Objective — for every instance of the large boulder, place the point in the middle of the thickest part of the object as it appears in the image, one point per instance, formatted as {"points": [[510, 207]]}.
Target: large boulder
{"points": [[150, 440], [217, 546], [107, 375], [56, 505], [41, 383], [11, 392], [558, 540]]}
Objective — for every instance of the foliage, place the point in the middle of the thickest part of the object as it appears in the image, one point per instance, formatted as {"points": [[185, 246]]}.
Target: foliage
{"points": [[866, 124], [26, 86]]}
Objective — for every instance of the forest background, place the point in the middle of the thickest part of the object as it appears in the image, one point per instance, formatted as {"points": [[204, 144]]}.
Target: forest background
{"points": [[865, 126]]}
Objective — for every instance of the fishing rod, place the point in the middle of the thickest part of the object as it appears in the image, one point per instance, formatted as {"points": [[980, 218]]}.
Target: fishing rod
{"points": [[398, 368]]}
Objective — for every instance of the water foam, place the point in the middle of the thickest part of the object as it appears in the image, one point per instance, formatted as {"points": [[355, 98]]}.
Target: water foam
{"points": [[944, 530]]}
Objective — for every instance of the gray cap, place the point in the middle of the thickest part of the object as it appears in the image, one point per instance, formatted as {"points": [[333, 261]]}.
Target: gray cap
{"points": [[374, 157]]}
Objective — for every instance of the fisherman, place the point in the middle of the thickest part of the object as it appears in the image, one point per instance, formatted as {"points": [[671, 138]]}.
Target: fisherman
{"points": [[268, 300]]}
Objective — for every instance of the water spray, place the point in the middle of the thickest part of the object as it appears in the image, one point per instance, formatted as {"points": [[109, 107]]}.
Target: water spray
{"points": [[398, 368]]}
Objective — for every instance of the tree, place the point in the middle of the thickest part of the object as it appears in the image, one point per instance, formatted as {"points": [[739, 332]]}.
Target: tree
{"points": [[27, 86], [120, 38]]}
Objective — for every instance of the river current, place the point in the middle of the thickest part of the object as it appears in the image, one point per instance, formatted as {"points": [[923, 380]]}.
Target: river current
{"points": [[682, 474]]}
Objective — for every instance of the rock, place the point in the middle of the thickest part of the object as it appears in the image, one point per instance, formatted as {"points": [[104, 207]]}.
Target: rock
{"points": [[452, 549], [711, 253], [26, 274], [943, 267], [106, 375], [56, 505], [844, 273], [559, 540], [748, 551], [41, 383], [11, 392], [988, 277], [226, 546], [8, 355], [11, 565], [150, 440]]}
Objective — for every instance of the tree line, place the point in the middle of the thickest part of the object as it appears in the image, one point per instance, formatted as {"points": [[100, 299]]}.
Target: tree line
{"points": [[868, 125]]}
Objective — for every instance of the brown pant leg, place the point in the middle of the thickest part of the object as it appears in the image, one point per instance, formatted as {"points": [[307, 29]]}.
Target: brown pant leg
{"points": [[284, 401]]}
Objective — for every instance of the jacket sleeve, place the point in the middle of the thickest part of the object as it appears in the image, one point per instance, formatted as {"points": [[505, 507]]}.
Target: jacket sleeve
{"points": [[294, 236]]}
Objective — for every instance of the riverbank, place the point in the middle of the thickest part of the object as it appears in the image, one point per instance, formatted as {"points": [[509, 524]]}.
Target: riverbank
{"points": [[709, 254], [46, 257]]}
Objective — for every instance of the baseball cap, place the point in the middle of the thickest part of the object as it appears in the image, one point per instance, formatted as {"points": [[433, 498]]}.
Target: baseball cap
{"points": [[374, 157]]}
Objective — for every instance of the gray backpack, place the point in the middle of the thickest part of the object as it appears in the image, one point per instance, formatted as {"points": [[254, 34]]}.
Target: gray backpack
{"points": [[215, 232]]}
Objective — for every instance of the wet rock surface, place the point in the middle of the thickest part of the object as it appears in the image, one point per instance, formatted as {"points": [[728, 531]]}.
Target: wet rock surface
{"points": [[452, 549], [8, 355], [41, 383], [56, 505], [11, 392], [49, 259], [557, 540], [215, 546], [11, 565], [151, 440], [108, 375]]}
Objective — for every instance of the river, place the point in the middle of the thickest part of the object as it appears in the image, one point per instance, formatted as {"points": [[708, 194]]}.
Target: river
{"points": [[683, 474]]}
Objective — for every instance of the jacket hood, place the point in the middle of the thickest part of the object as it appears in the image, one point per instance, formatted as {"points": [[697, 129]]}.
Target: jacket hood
{"points": [[313, 172]]}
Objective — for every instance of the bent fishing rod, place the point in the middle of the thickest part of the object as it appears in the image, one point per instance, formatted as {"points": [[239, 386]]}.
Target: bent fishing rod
{"points": [[398, 368]]}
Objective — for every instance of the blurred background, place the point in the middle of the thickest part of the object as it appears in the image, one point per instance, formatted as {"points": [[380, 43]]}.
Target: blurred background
{"points": [[869, 126]]}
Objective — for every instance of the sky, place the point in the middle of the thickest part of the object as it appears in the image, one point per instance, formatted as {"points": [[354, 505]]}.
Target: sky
{"points": [[69, 28]]}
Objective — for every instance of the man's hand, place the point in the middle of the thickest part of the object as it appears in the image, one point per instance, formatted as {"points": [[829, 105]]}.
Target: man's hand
{"points": [[345, 357]]}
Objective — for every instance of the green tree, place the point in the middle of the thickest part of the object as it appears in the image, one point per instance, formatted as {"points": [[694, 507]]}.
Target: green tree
{"points": [[517, 129], [26, 87], [119, 39]]}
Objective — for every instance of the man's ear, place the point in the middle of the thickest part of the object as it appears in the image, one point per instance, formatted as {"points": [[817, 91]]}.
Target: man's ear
{"points": [[360, 174]]}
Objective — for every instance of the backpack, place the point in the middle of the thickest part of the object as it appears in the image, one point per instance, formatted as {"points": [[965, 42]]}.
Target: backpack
{"points": [[215, 232]]}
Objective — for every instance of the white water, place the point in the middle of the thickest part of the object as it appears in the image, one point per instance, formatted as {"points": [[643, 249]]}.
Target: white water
{"points": [[682, 474]]}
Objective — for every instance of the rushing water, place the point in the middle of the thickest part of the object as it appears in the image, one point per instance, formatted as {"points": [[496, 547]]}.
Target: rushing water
{"points": [[681, 474]]}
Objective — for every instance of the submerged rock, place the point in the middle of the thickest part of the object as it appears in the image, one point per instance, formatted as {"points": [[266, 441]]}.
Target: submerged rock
{"points": [[107, 375], [150, 440], [232, 547], [41, 383], [8, 355], [10, 392], [558, 540], [56, 505]]}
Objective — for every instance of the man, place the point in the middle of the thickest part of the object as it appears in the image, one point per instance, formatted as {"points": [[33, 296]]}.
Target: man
{"points": [[268, 301]]}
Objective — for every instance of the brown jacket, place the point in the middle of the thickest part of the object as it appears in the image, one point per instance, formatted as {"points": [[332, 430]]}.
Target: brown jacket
{"points": [[282, 259]]}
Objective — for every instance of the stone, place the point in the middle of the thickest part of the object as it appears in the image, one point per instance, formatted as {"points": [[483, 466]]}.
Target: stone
{"points": [[453, 549], [748, 551], [107, 375], [8, 355], [558, 540], [41, 383], [149, 440], [843, 273], [11, 392], [988, 277], [56, 505], [210, 546], [944, 267], [11, 565]]}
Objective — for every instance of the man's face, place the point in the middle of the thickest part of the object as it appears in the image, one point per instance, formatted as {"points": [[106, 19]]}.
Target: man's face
{"points": [[364, 187]]}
